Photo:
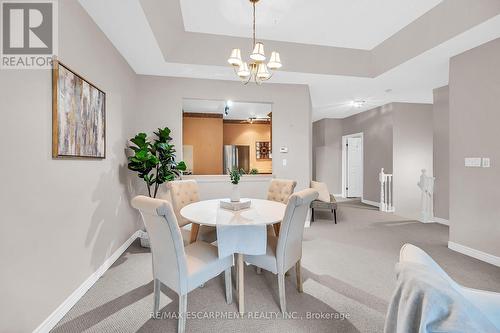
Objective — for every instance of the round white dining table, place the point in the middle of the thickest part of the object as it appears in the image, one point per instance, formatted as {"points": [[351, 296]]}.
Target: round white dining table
{"points": [[208, 212]]}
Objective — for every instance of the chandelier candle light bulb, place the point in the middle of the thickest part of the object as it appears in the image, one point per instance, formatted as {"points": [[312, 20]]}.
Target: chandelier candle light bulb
{"points": [[262, 72], [256, 69], [275, 61], [243, 71], [258, 52], [235, 58]]}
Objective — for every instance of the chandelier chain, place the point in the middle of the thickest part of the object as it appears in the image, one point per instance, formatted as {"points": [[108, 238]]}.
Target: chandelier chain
{"points": [[253, 24]]}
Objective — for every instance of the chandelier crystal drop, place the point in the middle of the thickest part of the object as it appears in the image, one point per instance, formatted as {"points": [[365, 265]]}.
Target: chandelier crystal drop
{"points": [[256, 69]]}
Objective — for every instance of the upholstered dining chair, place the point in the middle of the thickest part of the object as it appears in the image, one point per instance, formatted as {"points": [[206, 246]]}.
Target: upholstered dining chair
{"points": [[487, 302], [280, 190], [182, 193], [181, 268], [285, 251]]}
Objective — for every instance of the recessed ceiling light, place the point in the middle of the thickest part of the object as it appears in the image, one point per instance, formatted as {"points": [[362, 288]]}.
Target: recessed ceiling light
{"points": [[358, 103]]}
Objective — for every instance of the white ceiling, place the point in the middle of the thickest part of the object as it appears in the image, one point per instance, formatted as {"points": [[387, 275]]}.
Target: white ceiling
{"points": [[331, 95], [359, 24], [237, 111]]}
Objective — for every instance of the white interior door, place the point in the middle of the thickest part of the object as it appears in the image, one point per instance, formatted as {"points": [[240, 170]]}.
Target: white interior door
{"points": [[354, 167]]}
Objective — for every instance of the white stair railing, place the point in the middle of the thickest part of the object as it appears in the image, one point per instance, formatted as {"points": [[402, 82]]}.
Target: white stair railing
{"points": [[426, 185], [386, 199]]}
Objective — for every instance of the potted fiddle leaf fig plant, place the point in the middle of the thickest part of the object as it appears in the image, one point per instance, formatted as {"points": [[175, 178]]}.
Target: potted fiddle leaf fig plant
{"points": [[235, 176], [154, 161]]}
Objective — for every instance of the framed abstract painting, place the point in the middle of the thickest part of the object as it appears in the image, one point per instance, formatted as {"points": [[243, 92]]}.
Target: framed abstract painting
{"points": [[78, 116]]}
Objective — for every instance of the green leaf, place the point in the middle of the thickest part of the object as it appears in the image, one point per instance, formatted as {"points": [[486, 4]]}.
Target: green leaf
{"points": [[181, 166], [155, 161], [163, 134], [140, 140]]}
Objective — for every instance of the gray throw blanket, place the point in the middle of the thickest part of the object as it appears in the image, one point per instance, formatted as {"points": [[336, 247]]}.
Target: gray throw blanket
{"points": [[426, 302]]}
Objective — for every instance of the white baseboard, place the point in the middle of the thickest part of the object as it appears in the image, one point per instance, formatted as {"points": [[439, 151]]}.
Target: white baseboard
{"points": [[62, 309], [441, 221], [371, 203], [435, 220], [480, 255], [338, 195]]}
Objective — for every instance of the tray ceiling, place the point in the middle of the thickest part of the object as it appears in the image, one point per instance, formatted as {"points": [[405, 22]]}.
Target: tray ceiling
{"points": [[150, 35], [359, 24]]}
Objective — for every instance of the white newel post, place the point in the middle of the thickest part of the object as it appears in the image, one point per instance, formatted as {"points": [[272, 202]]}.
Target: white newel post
{"points": [[381, 179], [426, 185], [386, 197]]}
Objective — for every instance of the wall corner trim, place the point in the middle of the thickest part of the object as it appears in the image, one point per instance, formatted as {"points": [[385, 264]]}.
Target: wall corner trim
{"points": [[371, 203], [441, 221], [69, 302], [480, 255], [434, 220]]}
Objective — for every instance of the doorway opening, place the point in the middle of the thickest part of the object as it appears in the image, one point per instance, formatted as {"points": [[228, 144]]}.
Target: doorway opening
{"points": [[223, 135], [352, 166]]}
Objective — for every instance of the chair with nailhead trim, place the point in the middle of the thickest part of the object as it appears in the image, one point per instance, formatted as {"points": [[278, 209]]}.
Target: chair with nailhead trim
{"points": [[285, 251], [180, 268], [182, 193], [280, 190]]}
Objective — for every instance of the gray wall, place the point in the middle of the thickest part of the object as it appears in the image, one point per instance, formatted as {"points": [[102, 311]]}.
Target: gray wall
{"points": [[161, 105], [397, 137], [318, 142], [412, 152], [474, 118], [376, 125], [441, 123], [61, 219], [327, 153]]}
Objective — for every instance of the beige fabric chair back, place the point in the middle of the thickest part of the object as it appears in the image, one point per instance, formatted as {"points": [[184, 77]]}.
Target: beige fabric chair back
{"points": [[413, 254], [183, 192], [280, 190], [289, 249], [169, 258], [486, 301]]}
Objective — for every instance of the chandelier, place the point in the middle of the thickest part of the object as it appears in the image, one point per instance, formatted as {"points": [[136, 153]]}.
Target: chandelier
{"points": [[257, 70]]}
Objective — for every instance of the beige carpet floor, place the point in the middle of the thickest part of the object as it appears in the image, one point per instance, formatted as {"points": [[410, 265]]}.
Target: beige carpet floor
{"points": [[348, 273]]}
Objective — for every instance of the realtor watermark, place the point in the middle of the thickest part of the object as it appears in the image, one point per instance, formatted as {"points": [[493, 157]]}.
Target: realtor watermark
{"points": [[257, 315], [29, 33]]}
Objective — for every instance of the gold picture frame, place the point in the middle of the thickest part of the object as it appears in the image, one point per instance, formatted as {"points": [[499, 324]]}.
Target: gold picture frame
{"points": [[78, 115]]}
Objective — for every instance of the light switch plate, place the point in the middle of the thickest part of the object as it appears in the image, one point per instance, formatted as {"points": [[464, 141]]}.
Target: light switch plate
{"points": [[486, 162], [284, 162], [473, 162]]}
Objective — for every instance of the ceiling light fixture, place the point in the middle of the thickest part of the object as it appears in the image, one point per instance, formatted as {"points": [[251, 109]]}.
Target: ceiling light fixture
{"points": [[257, 69], [261, 119]]}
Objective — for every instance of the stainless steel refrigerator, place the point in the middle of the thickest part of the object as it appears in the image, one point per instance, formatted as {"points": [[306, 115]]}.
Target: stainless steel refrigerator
{"points": [[236, 157]]}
